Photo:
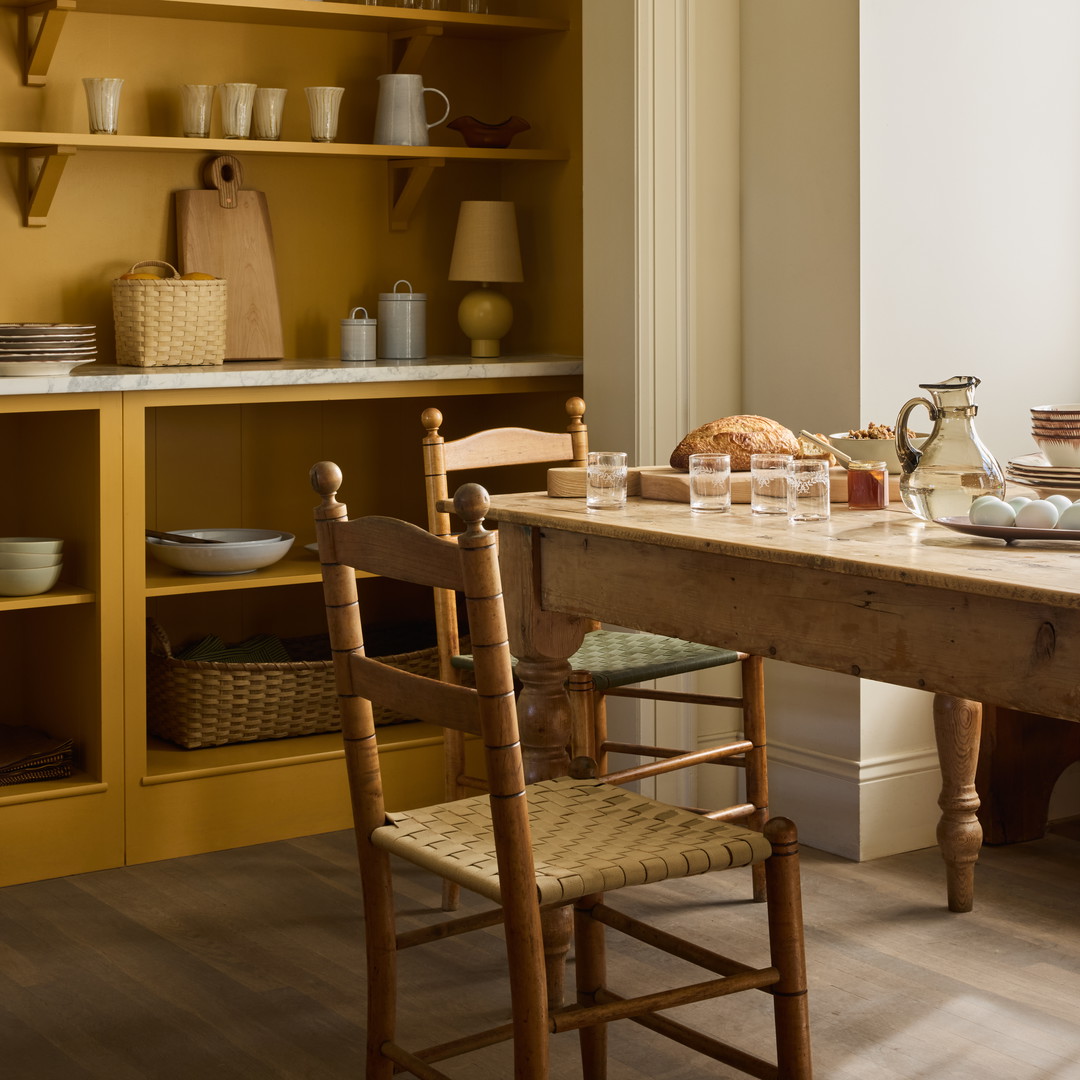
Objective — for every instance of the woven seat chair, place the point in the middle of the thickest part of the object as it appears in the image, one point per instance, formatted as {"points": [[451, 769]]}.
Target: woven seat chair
{"points": [[608, 662], [528, 848]]}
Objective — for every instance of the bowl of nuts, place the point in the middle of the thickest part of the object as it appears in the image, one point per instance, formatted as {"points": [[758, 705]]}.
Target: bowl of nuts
{"points": [[875, 442]]}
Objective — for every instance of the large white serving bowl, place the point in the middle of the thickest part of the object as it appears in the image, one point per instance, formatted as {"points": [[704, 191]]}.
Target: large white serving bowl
{"points": [[21, 560], [39, 579], [32, 544], [874, 449], [239, 551]]}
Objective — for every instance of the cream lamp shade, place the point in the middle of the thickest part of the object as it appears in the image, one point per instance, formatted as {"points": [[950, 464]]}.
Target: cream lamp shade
{"points": [[486, 250]]}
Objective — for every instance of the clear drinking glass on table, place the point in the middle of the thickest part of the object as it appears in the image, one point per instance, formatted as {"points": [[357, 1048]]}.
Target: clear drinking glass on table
{"points": [[710, 482], [768, 483], [605, 480], [808, 490]]}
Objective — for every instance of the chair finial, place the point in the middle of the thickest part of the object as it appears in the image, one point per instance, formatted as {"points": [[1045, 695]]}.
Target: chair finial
{"points": [[471, 503], [432, 420], [325, 479], [575, 409]]}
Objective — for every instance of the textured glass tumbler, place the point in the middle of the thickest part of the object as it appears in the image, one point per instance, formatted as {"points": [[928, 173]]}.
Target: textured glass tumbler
{"points": [[710, 482], [103, 104], [323, 104], [196, 103], [808, 490], [267, 111], [605, 480], [236, 101], [768, 483]]}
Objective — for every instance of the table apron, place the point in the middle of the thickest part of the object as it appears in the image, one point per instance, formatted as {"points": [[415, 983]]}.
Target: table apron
{"points": [[1021, 655]]}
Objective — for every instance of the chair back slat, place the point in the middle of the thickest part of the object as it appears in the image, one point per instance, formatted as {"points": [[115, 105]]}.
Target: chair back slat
{"points": [[497, 447], [392, 548], [415, 695]]}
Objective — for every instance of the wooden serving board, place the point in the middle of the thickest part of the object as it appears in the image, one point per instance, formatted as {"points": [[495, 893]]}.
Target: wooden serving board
{"points": [[225, 231], [670, 485]]}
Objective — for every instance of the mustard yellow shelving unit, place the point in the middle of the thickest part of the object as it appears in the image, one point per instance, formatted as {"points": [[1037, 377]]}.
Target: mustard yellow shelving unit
{"points": [[242, 457], [98, 468], [60, 652]]}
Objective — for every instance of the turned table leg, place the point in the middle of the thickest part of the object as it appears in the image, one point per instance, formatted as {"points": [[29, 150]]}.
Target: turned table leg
{"points": [[957, 727]]}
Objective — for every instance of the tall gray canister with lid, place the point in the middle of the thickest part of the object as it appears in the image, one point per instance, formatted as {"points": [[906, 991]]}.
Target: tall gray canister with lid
{"points": [[402, 324]]}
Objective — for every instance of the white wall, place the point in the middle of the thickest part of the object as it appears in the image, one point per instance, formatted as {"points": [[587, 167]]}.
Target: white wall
{"points": [[970, 191]]}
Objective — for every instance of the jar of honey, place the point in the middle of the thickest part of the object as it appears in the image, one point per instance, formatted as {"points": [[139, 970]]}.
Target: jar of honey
{"points": [[868, 485]]}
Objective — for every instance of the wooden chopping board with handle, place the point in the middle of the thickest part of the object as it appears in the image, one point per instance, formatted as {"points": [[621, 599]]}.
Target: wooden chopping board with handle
{"points": [[224, 230]]}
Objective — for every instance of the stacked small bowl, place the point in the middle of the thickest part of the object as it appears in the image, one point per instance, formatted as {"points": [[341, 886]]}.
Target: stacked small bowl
{"points": [[1056, 431], [29, 564]]}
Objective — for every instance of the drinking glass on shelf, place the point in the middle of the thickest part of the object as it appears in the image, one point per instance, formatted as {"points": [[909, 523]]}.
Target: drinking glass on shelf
{"points": [[267, 111], [236, 101], [103, 104], [323, 104], [196, 102], [475, 7]]}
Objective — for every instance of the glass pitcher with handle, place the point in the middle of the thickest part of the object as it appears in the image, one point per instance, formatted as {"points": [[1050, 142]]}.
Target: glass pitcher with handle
{"points": [[952, 468]]}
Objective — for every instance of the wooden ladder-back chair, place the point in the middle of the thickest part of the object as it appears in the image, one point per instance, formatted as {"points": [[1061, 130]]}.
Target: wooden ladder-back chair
{"points": [[528, 848], [608, 663]]}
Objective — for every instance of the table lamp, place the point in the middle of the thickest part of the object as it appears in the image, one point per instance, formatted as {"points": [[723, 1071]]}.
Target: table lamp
{"points": [[485, 250]]}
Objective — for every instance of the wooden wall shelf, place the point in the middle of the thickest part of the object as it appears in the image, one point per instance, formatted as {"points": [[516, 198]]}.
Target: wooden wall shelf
{"points": [[52, 150]]}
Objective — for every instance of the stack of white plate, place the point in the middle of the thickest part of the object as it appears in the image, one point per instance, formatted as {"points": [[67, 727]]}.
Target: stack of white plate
{"points": [[1035, 471], [45, 348]]}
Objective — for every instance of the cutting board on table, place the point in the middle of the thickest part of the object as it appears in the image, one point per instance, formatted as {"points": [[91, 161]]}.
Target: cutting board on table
{"points": [[224, 230]]}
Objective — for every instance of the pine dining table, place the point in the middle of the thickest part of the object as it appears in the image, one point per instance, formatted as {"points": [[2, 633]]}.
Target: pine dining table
{"points": [[876, 594]]}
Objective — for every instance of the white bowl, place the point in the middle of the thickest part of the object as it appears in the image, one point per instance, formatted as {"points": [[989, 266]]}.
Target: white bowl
{"points": [[28, 582], [874, 449], [46, 544], [1061, 453], [20, 560], [240, 550]]}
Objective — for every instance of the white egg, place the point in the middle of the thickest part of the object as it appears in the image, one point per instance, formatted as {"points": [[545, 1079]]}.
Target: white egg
{"points": [[1070, 517], [1039, 514], [992, 512], [1020, 500], [1062, 502], [983, 499]]}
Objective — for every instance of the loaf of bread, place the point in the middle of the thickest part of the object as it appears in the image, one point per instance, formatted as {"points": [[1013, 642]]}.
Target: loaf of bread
{"points": [[737, 436]]}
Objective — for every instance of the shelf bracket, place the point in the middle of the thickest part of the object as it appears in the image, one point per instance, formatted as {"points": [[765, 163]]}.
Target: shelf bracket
{"points": [[405, 194], [38, 48], [409, 47], [41, 188]]}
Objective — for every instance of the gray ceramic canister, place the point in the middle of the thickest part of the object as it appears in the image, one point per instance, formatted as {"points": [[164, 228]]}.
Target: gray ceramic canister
{"points": [[357, 337], [402, 323]]}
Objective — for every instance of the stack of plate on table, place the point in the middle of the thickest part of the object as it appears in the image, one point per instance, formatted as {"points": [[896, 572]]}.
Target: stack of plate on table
{"points": [[45, 348], [1035, 471], [1056, 431]]}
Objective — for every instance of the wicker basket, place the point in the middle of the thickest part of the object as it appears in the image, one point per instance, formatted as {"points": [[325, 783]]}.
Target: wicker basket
{"points": [[169, 322], [196, 703]]}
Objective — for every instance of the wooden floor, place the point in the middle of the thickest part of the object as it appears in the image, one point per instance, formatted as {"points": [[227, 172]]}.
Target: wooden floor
{"points": [[249, 964]]}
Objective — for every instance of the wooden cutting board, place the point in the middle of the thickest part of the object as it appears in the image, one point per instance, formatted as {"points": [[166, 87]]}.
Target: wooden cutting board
{"points": [[670, 485], [225, 231]]}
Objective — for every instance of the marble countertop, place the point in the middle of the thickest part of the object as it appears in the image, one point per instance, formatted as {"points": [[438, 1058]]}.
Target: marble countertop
{"points": [[98, 378]]}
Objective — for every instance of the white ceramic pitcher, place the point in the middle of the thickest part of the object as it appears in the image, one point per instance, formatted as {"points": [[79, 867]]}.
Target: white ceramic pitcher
{"points": [[401, 118]]}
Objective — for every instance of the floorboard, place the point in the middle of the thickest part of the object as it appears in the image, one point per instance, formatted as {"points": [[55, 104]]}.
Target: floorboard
{"points": [[248, 965]]}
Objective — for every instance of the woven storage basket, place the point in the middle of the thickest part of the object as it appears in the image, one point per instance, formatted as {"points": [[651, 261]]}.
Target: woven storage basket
{"points": [[197, 703], [169, 322]]}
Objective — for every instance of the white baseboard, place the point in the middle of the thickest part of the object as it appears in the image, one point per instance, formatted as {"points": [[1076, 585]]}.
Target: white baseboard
{"points": [[859, 810]]}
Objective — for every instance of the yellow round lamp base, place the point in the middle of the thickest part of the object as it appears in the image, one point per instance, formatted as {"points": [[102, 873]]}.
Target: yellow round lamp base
{"points": [[485, 317]]}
